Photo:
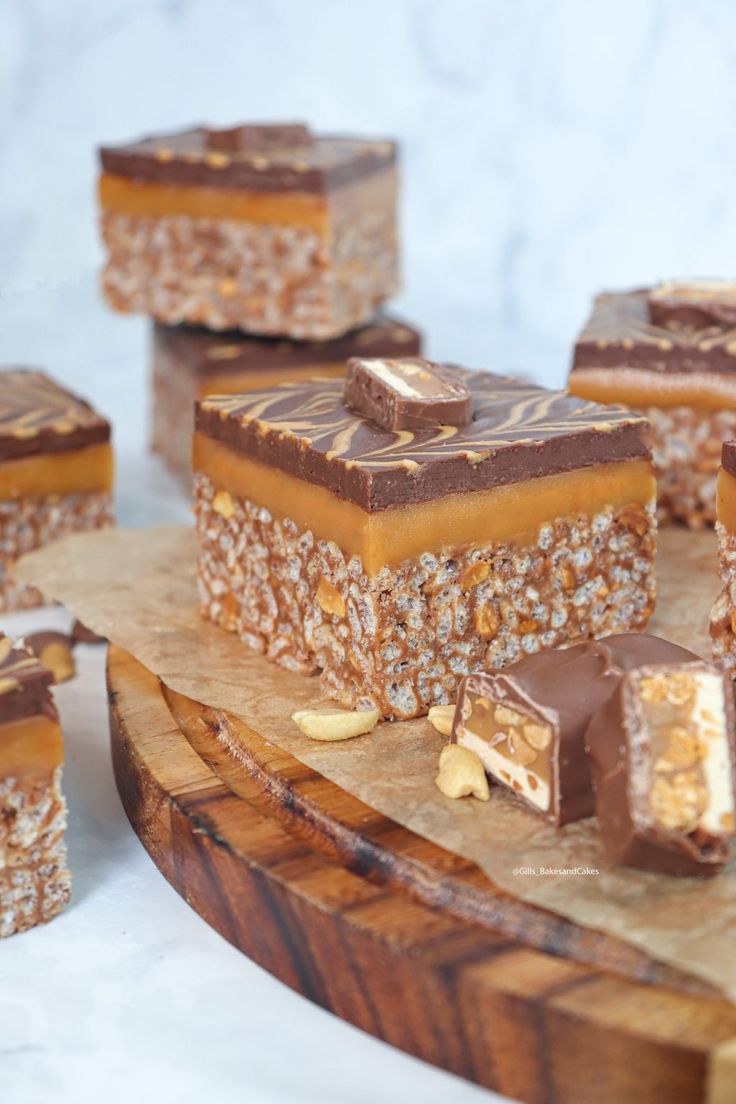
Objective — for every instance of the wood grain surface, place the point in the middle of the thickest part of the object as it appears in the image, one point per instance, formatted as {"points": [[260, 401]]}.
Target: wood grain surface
{"points": [[395, 935]]}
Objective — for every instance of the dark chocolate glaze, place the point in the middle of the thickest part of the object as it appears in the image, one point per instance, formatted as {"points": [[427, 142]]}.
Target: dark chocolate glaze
{"points": [[424, 394], [518, 432], [626, 838], [621, 333], [206, 353], [564, 689], [189, 157], [24, 684], [37, 416]]}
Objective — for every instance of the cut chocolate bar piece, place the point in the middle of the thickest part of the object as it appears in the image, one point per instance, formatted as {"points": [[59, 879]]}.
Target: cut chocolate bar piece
{"points": [[397, 562], [661, 752], [680, 372], [34, 881], [268, 229], [527, 724], [56, 472], [191, 363], [407, 394]]}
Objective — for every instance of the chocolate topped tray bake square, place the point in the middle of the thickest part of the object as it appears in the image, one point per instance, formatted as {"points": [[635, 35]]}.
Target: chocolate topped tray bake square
{"points": [[190, 363], [56, 471], [670, 353], [270, 229], [34, 881], [397, 561]]}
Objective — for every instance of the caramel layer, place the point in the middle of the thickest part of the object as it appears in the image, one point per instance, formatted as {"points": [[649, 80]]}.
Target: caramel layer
{"points": [[726, 500], [75, 472], [387, 537], [33, 744], [134, 197], [637, 388], [238, 382]]}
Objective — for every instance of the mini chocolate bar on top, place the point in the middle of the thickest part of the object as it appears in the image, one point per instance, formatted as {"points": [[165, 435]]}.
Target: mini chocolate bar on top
{"points": [[527, 723], [408, 393], [695, 303], [661, 753]]}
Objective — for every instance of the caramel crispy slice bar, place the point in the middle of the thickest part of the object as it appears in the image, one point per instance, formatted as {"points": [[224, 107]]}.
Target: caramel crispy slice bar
{"points": [[34, 881], [723, 615], [662, 759], [407, 394], [669, 353], [56, 471], [527, 724], [190, 363], [294, 233], [397, 561]]}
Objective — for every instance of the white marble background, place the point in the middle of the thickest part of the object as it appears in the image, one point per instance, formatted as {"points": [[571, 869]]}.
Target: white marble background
{"points": [[551, 148]]}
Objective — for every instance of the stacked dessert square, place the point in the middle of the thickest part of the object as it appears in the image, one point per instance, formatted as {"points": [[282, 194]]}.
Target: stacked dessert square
{"points": [[670, 353], [395, 550], [56, 472], [260, 230], [34, 880]]}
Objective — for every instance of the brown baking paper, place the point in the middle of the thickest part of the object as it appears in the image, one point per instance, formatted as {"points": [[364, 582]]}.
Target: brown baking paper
{"points": [[138, 589]]}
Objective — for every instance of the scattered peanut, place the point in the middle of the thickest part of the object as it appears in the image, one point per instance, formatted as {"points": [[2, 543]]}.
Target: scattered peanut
{"points": [[440, 717], [335, 724], [223, 504], [461, 774]]}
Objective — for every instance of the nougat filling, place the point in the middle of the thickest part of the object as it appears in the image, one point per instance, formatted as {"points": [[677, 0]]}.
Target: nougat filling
{"points": [[77, 471], [514, 744], [513, 512], [637, 387], [30, 745], [684, 739]]}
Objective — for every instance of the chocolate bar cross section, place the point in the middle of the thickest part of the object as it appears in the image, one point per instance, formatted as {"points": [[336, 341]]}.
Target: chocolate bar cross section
{"points": [[407, 394], [661, 751], [528, 723], [693, 303]]}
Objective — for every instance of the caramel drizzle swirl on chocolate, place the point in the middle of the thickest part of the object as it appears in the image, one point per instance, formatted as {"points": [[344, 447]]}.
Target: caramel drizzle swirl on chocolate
{"points": [[623, 319], [507, 412], [30, 402]]}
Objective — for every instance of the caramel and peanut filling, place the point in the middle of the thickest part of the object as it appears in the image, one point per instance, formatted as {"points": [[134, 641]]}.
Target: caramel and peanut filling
{"points": [[78, 471], [637, 388], [684, 722], [30, 745], [515, 747], [388, 537]]}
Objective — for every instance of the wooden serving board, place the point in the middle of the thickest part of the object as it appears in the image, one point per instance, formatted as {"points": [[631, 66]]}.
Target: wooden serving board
{"points": [[395, 935]]}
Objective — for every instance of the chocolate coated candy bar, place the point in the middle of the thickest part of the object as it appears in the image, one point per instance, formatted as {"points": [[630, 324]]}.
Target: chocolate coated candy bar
{"points": [[528, 722], [407, 394], [697, 303], [661, 752]]}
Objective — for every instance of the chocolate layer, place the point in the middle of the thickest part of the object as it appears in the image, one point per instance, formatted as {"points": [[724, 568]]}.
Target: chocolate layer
{"points": [[407, 393], [207, 353], [24, 684], [728, 457], [38, 416], [274, 164], [623, 764], [620, 333], [518, 432], [563, 690]]}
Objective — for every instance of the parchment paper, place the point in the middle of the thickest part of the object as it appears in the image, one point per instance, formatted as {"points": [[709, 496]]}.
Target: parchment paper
{"points": [[137, 588]]}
